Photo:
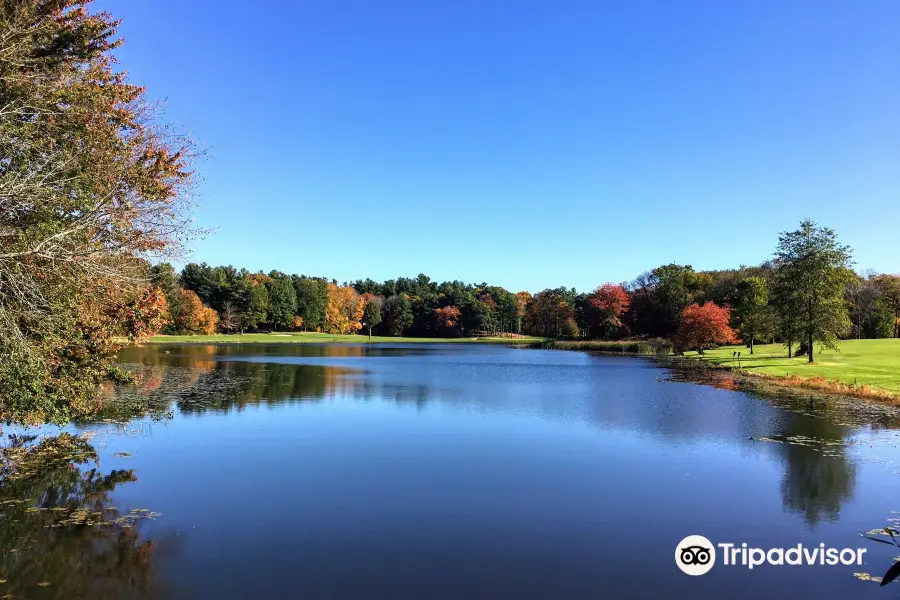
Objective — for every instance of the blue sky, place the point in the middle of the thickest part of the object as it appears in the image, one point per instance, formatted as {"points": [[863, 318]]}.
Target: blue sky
{"points": [[528, 144]]}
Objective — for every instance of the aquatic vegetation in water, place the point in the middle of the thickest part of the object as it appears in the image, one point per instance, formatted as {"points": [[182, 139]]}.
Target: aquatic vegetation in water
{"points": [[894, 571]]}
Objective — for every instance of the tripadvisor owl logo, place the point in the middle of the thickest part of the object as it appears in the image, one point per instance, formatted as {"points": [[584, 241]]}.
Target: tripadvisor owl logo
{"points": [[695, 555]]}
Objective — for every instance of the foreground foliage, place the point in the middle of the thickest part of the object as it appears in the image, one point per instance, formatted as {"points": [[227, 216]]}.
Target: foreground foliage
{"points": [[89, 186]]}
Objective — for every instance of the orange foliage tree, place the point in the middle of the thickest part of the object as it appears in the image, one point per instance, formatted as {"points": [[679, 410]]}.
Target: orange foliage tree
{"points": [[193, 316], [705, 326], [446, 319], [522, 300], [145, 315], [344, 311]]}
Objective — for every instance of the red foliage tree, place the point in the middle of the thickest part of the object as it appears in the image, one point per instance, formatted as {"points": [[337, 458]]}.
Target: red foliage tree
{"points": [[705, 326], [605, 307]]}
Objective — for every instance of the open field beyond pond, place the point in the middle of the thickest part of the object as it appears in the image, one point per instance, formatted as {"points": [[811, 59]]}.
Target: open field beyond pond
{"points": [[325, 338], [873, 363]]}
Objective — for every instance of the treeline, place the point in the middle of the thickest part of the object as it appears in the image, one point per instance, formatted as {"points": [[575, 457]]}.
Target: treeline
{"points": [[806, 293]]}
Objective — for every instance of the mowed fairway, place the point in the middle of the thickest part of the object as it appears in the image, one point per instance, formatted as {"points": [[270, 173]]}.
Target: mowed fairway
{"points": [[875, 363], [324, 338]]}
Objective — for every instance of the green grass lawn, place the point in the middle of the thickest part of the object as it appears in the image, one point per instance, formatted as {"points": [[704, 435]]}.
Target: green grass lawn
{"points": [[322, 338], [875, 363]]}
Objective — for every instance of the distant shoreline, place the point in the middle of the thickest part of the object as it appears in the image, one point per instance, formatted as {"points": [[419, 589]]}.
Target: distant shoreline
{"points": [[326, 338]]}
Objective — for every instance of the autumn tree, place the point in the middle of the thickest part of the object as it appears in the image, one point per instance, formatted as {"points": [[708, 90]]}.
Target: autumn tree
{"points": [[91, 185], [145, 315], [522, 300], [193, 315], [397, 313], [344, 311], [446, 319], [752, 308], [605, 308], [702, 327], [548, 312], [813, 270]]}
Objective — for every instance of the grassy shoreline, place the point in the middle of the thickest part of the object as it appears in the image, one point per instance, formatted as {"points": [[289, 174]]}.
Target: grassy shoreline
{"points": [[868, 369], [626, 347], [326, 338]]}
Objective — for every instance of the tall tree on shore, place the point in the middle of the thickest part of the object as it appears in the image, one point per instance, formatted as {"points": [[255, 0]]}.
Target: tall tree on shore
{"points": [[345, 310], [752, 307], [91, 185], [787, 311], [397, 313], [229, 318], [282, 302], [312, 301], [813, 270], [889, 286], [605, 307], [371, 313], [257, 307], [523, 299]]}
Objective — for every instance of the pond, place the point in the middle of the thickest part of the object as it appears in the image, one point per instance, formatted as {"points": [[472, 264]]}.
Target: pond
{"points": [[446, 471]]}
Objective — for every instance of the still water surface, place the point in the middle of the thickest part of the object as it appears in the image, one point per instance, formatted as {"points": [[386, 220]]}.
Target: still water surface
{"points": [[470, 471]]}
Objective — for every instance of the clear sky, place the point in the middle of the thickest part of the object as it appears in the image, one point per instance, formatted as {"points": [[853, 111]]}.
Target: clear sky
{"points": [[525, 143]]}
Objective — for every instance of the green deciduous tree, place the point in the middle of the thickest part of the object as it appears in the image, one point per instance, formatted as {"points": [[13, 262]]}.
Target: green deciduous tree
{"points": [[397, 313], [813, 270], [257, 308], [371, 314], [282, 303], [752, 308], [880, 321], [889, 286], [312, 301]]}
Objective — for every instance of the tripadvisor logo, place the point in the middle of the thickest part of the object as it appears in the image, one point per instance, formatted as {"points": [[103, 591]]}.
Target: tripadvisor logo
{"points": [[696, 555]]}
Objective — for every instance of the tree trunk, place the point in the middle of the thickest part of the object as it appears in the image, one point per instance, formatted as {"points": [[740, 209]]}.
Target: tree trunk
{"points": [[810, 346], [370, 334], [790, 349], [751, 345]]}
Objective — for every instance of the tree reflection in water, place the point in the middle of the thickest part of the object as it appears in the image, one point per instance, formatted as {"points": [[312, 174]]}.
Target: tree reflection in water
{"points": [[59, 535], [818, 475]]}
